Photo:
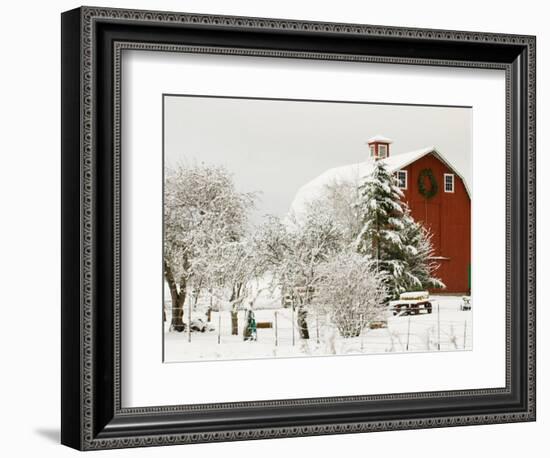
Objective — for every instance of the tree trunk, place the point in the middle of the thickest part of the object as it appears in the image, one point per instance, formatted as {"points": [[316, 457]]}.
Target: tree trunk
{"points": [[234, 322], [209, 310], [301, 318], [178, 299], [235, 294], [196, 294]]}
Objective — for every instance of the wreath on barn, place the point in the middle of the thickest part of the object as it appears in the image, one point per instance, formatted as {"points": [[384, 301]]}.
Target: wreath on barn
{"points": [[432, 191]]}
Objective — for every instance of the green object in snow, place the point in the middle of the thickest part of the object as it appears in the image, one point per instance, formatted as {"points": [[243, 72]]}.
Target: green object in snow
{"points": [[250, 329]]}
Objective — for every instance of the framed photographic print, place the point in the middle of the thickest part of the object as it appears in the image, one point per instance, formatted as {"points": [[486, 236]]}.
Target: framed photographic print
{"points": [[277, 228]]}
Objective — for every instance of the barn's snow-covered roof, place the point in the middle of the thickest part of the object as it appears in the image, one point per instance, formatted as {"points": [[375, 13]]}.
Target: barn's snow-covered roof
{"points": [[380, 139], [353, 173]]}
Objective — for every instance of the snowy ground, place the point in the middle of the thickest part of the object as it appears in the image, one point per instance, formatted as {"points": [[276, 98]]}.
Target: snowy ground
{"points": [[447, 330]]}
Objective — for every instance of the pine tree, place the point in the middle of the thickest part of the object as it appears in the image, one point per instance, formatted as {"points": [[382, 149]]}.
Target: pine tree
{"points": [[400, 247], [381, 212], [418, 257]]}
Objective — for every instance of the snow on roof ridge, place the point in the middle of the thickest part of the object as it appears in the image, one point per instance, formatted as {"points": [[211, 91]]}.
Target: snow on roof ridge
{"points": [[379, 138], [311, 190], [401, 160]]}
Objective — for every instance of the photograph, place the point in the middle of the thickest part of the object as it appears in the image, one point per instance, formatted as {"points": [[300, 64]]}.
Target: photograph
{"points": [[307, 228], [280, 222]]}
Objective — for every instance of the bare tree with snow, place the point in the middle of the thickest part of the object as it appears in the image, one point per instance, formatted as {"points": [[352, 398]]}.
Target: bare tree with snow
{"points": [[293, 252], [202, 208], [231, 270], [339, 199]]}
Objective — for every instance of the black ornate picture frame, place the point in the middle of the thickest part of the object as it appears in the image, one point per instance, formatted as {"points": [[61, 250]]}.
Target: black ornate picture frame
{"points": [[92, 42]]}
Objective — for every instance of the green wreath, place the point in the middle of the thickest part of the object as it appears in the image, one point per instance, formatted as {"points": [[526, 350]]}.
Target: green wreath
{"points": [[427, 193]]}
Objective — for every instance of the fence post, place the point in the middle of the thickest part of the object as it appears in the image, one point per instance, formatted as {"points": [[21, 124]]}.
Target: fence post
{"points": [[276, 330], [361, 330], [219, 324], [465, 324], [317, 325], [408, 332], [438, 329], [293, 338], [189, 322]]}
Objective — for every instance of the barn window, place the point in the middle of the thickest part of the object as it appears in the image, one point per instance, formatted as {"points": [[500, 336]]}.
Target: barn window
{"points": [[371, 150], [402, 179], [449, 180], [382, 151]]}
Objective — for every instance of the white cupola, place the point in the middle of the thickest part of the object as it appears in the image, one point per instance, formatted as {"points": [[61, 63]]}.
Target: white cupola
{"points": [[379, 147]]}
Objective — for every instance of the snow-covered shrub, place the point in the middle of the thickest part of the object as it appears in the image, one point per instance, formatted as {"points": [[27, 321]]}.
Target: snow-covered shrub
{"points": [[350, 291]]}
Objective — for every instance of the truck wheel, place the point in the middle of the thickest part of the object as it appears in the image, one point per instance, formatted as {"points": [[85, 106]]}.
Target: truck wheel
{"points": [[429, 307]]}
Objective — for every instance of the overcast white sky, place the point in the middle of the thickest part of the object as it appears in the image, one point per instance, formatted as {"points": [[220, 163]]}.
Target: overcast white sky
{"points": [[276, 146]]}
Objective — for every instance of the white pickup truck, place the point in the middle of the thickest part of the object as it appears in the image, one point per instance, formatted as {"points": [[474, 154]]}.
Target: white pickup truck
{"points": [[411, 303]]}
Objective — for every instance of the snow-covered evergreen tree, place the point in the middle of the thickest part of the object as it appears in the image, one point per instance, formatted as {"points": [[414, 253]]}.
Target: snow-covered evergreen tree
{"points": [[381, 236], [400, 247], [418, 256]]}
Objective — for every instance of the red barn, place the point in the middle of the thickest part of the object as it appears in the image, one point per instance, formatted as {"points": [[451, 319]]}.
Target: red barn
{"points": [[437, 195], [439, 198]]}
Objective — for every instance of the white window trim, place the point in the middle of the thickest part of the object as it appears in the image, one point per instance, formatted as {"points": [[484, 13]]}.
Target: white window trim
{"points": [[406, 178], [372, 150], [452, 175], [380, 145]]}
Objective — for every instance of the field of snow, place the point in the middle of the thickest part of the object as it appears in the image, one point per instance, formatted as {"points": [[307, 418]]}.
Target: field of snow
{"points": [[446, 329]]}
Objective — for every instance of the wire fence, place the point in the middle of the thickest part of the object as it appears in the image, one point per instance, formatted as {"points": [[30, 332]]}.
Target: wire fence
{"points": [[442, 330]]}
